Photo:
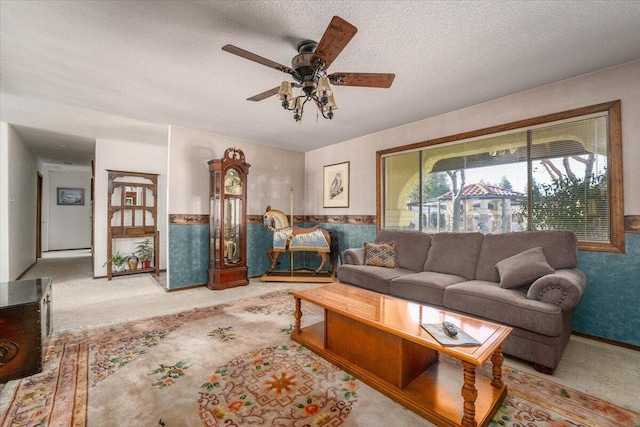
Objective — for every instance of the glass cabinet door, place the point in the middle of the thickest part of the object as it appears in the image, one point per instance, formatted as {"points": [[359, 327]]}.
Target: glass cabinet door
{"points": [[232, 230], [214, 229], [215, 220]]}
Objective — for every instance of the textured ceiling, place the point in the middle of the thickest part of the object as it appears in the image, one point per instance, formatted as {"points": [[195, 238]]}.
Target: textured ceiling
{"points": [[126, 70]]}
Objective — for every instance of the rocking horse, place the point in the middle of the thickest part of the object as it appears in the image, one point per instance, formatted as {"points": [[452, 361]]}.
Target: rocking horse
{"points": [[298, 239]]}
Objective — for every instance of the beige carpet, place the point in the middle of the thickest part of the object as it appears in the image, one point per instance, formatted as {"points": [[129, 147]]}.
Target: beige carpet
{"points": [[605, 371], [79, 301]]}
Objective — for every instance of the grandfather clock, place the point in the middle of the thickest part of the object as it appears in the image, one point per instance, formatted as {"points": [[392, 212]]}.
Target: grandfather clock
{"points": [[228, 221]]}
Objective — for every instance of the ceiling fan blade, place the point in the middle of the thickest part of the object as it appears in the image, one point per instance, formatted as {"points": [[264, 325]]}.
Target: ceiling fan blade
{"points": [[362, 79], [264, 95], [257, 58], [337, 35]]}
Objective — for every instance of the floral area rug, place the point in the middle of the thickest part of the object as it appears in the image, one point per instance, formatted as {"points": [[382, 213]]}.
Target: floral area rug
{"points": [[234, 365]]}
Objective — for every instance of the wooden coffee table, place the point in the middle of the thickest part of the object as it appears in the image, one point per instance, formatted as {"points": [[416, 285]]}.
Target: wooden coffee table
{"points": [[378, 339]]}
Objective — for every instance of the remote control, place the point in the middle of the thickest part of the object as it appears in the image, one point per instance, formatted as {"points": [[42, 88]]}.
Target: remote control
{"points": [[450, 329]]}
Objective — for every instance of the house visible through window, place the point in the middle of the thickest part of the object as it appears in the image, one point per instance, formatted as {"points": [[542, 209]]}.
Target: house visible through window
{"points": [[547, 173]]}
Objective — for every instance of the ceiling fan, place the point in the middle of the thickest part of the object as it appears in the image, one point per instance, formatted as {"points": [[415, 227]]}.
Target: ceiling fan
{"points": [[309, 70]]}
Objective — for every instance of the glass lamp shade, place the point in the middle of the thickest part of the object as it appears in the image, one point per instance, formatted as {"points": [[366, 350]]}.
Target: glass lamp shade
{"points": [[324, 86], [331, 104], [285, 91], [298, 104]]}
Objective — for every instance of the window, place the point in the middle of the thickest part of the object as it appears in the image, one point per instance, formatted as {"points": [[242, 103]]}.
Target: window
{"points": [[561, 171]]}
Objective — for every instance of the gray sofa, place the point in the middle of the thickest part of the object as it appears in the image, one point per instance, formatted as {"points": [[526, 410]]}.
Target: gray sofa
{"points": [[460, 272]]}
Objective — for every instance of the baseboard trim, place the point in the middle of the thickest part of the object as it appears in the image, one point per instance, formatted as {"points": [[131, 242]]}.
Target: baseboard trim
{"points": [[105, 276], [70, 249], [25, 272], [607, 341], [184, 288]]}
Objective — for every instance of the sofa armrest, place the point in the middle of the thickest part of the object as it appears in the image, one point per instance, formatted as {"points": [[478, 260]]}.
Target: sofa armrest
{"points": [[563, 288], [354, 256]]}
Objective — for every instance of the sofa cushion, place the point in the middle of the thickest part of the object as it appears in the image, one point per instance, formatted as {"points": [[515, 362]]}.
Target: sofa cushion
{"points": [[427, 286], [508, 306], [454, 253], [563, 288], [412, 248], [380, 254], [523, 268], [369, 276], [560, 249]]}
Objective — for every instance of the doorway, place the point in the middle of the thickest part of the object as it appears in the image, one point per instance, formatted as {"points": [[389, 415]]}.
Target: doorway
{"points": [[39, 217]]}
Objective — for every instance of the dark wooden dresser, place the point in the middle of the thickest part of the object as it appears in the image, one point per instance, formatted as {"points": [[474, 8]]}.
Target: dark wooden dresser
{"points": [[25, 326]]}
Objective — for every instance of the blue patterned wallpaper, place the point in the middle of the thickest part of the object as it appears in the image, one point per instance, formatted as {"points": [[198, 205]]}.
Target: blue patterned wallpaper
{"points": [[258, 242], [608, 309], [188, 255], [610, 306]]}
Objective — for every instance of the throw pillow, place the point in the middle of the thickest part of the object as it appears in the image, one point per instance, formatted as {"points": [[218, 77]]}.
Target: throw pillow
{"points": [[380, 254], [523, 268]]}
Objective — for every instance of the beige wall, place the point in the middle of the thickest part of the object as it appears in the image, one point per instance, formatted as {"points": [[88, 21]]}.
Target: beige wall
{"points": [[18, 171], [620, 82], [132, 157], [68, 227], [272, 173]]}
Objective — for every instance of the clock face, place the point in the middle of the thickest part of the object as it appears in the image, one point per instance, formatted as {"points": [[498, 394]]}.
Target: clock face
{"points": [[232, 182]]}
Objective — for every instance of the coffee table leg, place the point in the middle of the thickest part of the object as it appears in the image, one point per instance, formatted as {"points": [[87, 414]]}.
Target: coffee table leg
{"points": [[297, 314], [469, 394], [496, 360]]}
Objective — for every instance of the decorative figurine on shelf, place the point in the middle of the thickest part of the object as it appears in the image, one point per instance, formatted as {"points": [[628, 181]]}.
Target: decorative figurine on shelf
{"points": [[133, 262]]}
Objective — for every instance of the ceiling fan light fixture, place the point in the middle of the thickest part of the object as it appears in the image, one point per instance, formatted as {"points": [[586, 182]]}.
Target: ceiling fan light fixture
{"points": [[323, 86], [298, 108], [285, 93], [324, 90], [331, 104], [309, 70]]}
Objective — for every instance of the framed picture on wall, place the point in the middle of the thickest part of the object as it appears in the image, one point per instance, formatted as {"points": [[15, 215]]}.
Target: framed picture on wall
{"points": [[336, 185], [70, 196]]}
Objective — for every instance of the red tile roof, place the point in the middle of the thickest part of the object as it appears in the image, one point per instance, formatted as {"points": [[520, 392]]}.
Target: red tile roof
{"points": [[485, 190]]}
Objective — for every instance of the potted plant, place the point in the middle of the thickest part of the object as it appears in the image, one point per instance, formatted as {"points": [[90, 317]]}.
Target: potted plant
{"points": [[118, 260], [144, 251]]}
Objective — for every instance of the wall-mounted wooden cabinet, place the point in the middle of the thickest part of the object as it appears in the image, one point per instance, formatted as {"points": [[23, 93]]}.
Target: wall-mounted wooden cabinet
{"points": [[132, 218]]}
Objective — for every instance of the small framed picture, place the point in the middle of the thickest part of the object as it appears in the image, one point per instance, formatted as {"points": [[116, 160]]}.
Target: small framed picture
{"points": [[70, 196], [336, 185]]}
